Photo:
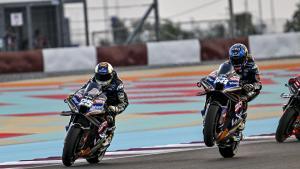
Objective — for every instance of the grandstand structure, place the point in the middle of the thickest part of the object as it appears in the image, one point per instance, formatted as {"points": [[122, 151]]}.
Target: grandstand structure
{"points": [[32, 24]]}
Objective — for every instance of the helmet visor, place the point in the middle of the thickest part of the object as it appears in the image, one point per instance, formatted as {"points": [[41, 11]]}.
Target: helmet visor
{"points": [[103, 77], [236, 62]]}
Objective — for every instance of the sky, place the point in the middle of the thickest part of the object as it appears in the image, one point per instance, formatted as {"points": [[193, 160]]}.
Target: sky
{"points": [[283, 8], [216, 10], [182, 10]]}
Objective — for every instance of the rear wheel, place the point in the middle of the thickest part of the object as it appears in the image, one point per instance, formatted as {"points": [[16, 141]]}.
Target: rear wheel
{"points": [[70, 146], [229, 151], [285, 126], [210, 126]]}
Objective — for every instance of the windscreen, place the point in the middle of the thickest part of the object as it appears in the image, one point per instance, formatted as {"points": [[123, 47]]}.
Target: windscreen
{"points": [[224, 69], [92, 89]]}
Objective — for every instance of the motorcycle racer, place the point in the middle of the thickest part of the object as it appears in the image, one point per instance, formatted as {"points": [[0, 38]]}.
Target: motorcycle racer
{"points": [[113, 88], [244, 65]]}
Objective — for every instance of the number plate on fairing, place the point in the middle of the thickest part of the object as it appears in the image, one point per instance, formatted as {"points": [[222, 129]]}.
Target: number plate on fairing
{"points": [[222, 80], [86, 103]]}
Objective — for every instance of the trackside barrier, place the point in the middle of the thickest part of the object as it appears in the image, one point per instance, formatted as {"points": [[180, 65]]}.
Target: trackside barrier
{"points": [[130, 55], [174, 52], [275, 45], [21, 62], [217, 49], [69, 59], [153, 53]]}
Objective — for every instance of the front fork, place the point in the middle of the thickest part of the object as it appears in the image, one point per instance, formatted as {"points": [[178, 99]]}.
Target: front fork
{"points": [[69, 124]]}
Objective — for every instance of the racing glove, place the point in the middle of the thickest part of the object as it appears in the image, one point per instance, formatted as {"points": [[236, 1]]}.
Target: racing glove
{"points": [[199, 84], [248, 88], [113, 110]]}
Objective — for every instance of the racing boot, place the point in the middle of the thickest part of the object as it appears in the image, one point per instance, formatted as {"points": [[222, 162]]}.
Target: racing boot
{"points": [[243, 116], [238, 136], [242, 125], [110, 134]]}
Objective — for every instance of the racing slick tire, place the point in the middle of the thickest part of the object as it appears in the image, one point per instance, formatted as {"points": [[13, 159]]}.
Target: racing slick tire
{"points": [[210, 125], [285, 126], [71, 145]]}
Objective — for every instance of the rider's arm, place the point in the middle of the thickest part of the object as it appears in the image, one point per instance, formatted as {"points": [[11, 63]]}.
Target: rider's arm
{"points": [[123, 101], [256, 82]]}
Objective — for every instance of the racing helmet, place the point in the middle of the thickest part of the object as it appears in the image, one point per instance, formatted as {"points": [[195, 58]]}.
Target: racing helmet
{"points": [[238, 56], [103, 73]]}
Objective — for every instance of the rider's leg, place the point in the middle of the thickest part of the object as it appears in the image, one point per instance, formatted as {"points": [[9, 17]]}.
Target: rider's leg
{"points": [[244, 116], [110, 130]]}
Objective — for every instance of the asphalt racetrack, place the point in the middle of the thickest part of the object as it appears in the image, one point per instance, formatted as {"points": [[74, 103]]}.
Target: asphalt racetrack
{"points": [[253, 155], [163, 118]]}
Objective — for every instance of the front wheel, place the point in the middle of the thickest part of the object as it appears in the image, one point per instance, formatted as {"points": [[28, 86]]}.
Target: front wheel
{"points": [[70, 146], [285, 126], [229, 151], [210, 125]]}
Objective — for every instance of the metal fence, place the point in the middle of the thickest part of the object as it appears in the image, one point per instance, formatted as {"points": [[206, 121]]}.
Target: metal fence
{"points": [[203, 29], [112, 29]]}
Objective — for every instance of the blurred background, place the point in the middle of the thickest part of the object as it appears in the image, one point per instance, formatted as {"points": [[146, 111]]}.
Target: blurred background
{"points": [[36, 24], [167, 46]]}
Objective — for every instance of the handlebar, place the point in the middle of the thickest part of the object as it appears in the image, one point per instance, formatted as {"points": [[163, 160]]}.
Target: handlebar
{"points": [[232, 89], [89, 116], [285, 96], [66, 113], [96, 112]]}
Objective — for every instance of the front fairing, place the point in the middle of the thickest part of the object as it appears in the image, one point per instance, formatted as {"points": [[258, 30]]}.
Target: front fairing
{"points": [[229, 81], [99, 103], [92, 94]]}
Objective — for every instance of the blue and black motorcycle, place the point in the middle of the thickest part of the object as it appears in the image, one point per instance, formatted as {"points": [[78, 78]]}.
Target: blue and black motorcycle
{"points": [[87, 129], [223, 110]]}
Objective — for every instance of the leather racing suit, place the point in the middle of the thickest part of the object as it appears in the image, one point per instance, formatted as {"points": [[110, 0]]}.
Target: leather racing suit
{"points": [[116, 96]]}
